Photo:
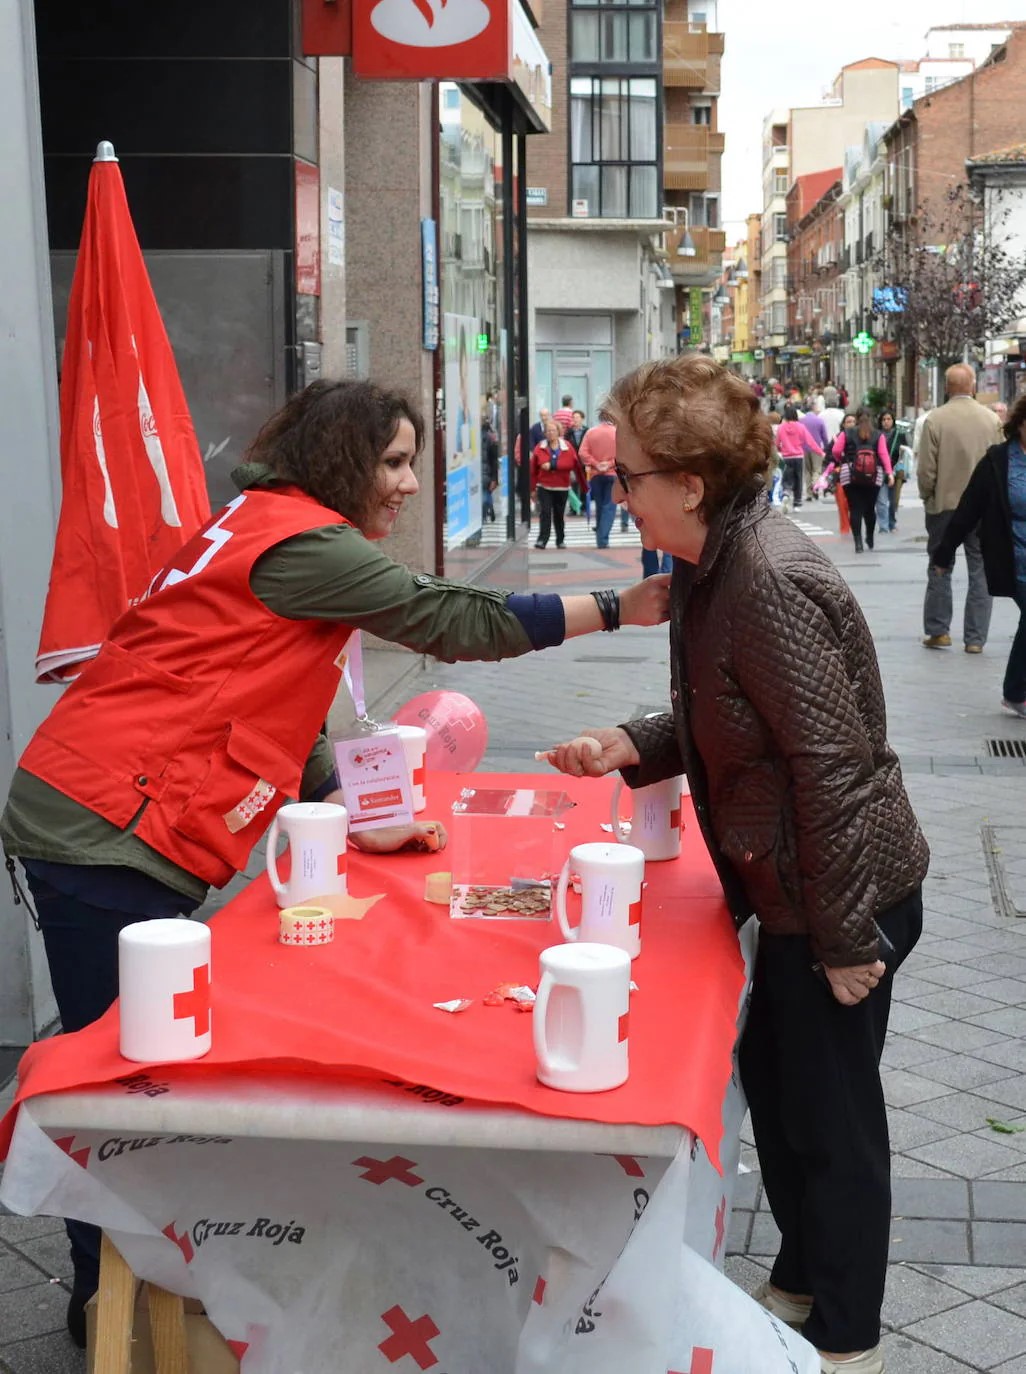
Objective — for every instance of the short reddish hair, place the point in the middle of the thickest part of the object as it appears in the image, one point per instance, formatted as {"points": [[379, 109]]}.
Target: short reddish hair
{"points": [[690, 414]]}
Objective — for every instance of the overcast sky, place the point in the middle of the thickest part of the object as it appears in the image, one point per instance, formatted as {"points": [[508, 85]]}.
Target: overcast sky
{"points": [[781, 56]]}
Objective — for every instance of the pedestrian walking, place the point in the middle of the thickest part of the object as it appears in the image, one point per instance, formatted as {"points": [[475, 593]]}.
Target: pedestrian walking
{"points": [[993, 508], [564, 416], [954, 438], [598, 455], [575, 437], [889, 493], [793, 441], [799, 798], [861, 460], [812, 419], [554, 465]]}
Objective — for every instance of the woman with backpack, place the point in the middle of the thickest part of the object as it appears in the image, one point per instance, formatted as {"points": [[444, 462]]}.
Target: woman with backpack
{"points": [[860, 453]]}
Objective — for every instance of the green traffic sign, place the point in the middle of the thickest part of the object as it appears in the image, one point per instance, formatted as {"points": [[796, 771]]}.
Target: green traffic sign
{"points": [[863, 342]]}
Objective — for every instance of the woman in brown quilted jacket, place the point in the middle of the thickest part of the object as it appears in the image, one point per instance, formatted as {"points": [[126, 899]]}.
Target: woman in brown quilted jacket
{"points": [[777, 716]]}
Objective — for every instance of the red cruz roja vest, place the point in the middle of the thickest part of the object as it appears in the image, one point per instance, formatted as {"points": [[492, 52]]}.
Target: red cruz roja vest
{"points": [[202, 703]]}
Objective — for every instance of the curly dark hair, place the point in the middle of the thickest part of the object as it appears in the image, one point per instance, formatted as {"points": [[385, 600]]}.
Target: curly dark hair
{"points": [[1016, 418], [690, 414], [328, 439]]}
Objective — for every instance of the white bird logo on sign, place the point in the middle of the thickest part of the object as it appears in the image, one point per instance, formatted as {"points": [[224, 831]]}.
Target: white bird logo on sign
{"points": [[430, 23]]}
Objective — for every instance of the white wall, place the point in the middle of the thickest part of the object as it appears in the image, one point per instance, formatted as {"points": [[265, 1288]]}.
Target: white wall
{"points": [[29, 468], [583, 271]]}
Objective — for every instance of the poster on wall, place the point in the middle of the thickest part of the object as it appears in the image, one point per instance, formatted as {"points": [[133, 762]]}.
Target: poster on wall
{"points": [[462, 429]]}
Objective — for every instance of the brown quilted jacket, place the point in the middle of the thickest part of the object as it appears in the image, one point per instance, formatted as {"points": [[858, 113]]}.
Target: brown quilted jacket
{"points": [[778, 718]]}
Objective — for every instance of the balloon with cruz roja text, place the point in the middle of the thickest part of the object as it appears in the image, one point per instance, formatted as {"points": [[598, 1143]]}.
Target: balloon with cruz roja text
{"points": [[457, 732]]}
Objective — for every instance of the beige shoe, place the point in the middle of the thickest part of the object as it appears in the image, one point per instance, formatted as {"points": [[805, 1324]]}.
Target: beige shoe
{"points": [[793, 1314], [937, 642], [974, 648], [869, 1362]]}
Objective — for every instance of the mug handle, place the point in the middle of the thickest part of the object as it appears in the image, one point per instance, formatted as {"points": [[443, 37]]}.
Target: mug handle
{"points": [[614, 815], [271, 860], [561, 888], [541, 1003]]}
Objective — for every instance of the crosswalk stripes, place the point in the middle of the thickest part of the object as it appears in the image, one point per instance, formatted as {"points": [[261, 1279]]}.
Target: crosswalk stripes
{"points": [[580, 535]]}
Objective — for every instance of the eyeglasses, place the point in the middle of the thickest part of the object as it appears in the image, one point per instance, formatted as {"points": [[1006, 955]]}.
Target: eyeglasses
{"points": [[625, 478]]}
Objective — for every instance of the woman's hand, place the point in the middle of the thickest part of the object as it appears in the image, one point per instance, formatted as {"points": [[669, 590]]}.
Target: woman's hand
{"points": [[424, 837], [851, 985], [890, 479], [647, 602], [582, 759]]}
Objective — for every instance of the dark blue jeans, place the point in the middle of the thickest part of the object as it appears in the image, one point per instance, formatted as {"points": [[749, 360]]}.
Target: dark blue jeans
{"points": [[652, 562], [81, 942], [1014, 687], [601, 488]]}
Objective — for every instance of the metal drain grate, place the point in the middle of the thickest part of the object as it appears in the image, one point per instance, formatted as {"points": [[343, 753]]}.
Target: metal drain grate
{"points": [[1006, 748]]}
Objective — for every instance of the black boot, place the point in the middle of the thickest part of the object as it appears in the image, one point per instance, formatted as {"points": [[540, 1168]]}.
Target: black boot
{"points": [[858, 543]]}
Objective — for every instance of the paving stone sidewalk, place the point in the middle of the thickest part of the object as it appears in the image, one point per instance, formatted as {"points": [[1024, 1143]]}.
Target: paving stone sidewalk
{"points": [[956, 1057]]}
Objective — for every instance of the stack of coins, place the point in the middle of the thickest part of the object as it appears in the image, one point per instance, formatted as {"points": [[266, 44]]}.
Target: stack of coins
{"points": [[506, 901]]}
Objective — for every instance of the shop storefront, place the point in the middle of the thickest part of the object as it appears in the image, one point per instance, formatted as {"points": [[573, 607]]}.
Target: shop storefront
{"points": [[481, 361]]}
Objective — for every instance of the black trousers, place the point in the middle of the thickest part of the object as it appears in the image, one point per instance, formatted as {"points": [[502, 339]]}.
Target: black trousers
{"points": [[862, 507], [810, 1068], [791, 478], [81, 942], [551, 508]]}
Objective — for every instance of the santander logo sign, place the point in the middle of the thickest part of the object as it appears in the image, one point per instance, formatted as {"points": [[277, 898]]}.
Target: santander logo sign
{"points": [[430, 23]]}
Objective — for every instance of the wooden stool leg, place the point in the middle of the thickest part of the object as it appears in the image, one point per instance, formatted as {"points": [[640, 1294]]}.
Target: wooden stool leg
{"points": [[167, 1327], [115, 1306]]}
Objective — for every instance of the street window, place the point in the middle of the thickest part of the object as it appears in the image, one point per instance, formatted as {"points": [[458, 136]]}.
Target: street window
{"points": [[614, 147], [615, 33]]}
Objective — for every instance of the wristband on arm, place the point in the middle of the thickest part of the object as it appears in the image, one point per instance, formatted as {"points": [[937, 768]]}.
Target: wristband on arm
{"points": [[608, 603]]}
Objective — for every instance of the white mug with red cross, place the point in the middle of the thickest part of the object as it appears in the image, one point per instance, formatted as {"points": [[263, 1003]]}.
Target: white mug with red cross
{"points": [[580, 1018], [164, 990], [316, 832], [656, 822], [414, 742], [611, 877]]}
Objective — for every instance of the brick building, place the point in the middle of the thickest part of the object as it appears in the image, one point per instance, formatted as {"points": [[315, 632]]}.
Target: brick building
{"points": [[814, 233], [928, 146]]}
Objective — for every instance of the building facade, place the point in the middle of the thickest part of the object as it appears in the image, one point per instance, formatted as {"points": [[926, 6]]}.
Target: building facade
{"points": [[623, 218], [814, 252]]}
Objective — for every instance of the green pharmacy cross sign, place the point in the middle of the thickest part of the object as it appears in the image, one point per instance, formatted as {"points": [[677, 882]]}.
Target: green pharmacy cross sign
{"points": [[863, 342]]}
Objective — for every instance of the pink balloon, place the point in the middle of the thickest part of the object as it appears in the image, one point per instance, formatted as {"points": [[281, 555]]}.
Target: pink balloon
{"points": [[457, 732]]}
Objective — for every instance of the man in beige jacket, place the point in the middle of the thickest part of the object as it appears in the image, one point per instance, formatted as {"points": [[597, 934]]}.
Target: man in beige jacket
{"points": [[955, 437]]}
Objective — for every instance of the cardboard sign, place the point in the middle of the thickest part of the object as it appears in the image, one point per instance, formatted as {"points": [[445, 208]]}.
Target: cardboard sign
{"points": [[375, 780]]}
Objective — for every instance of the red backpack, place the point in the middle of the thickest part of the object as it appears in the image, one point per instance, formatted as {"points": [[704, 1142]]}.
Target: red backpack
{"points": [[862, 458]]}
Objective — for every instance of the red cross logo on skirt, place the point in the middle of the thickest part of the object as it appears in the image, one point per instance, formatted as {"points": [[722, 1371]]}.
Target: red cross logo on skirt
{"points": [[182, 1241], [379, 1171], [721, 1225], [409, 1338], [701, 1362], [67, 1143], [197, 1002], [629, 1165]]}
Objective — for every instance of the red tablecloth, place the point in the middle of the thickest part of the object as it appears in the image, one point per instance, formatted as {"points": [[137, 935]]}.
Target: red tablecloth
{"points": [[363, 1005]]}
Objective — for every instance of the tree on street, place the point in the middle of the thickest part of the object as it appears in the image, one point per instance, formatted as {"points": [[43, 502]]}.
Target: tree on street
{"points": [[954, 279]]}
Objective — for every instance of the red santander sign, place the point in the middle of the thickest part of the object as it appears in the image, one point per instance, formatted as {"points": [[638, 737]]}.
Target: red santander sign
{"points": [[455, 40]]}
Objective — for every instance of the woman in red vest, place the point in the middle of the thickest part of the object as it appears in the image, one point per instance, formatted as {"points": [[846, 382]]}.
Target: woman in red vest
{"points": [[163, 764]]}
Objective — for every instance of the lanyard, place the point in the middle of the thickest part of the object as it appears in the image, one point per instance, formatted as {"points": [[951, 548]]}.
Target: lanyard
{"points": [[352, 671]]}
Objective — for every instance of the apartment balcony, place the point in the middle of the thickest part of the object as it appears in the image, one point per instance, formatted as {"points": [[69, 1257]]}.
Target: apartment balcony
{"points": [[691, 58], [707, 260], [687, 151]]}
